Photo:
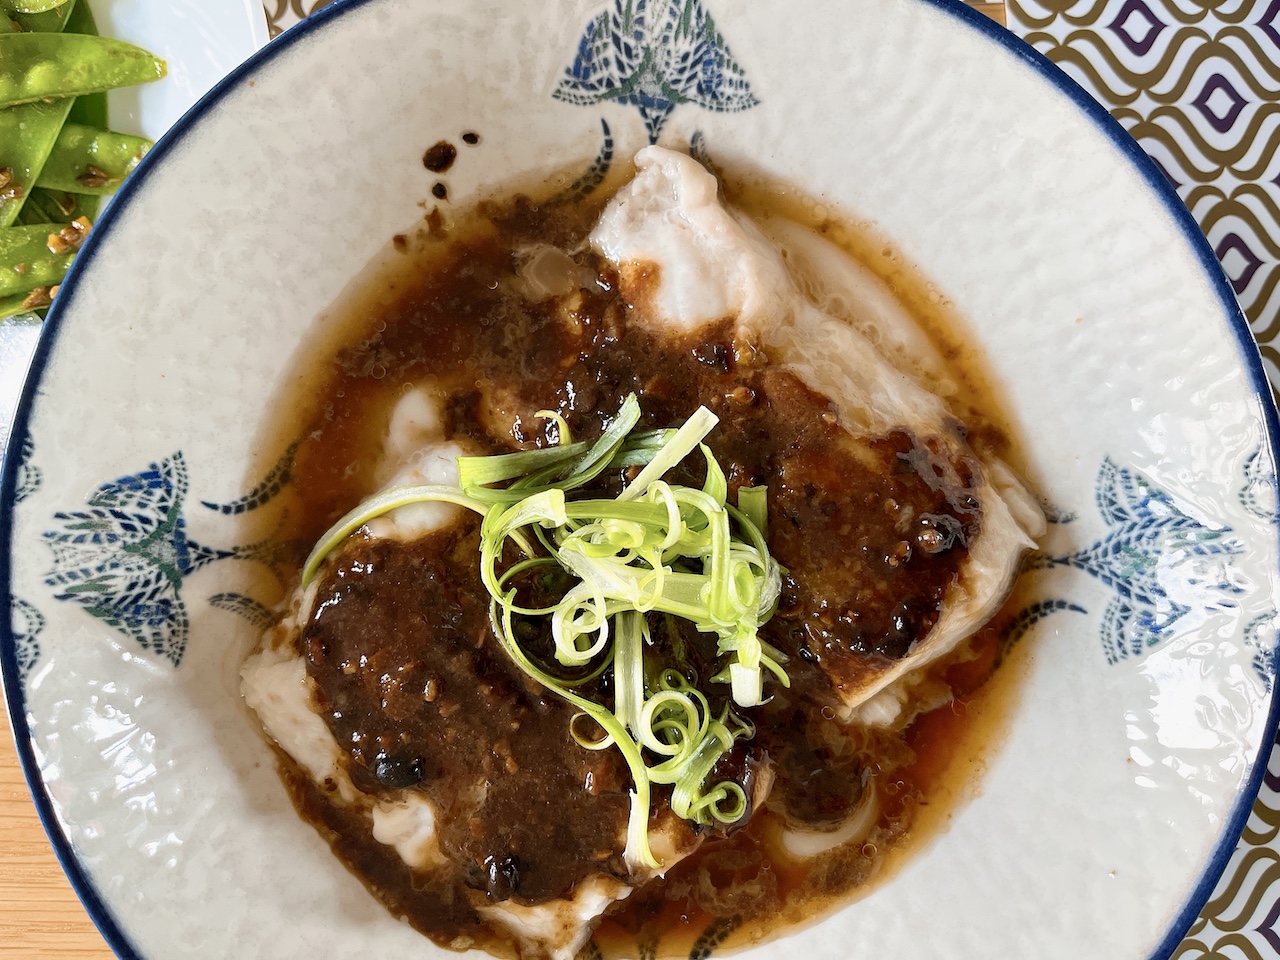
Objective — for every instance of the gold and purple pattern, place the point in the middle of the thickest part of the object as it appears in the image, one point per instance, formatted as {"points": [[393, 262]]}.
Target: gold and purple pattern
{"points": [[1197, 84], [1242, 918], [283, 14]]}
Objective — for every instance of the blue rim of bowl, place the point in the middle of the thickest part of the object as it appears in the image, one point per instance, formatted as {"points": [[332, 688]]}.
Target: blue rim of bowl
{"points": [[83, 884]]}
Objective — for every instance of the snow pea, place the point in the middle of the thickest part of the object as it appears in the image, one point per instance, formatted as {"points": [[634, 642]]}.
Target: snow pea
{"points": [[57, 206], [53, 21], [36, 126], [12, 306], [30, 6], [27, 135], [91, 109], [85, 160], [39, 66], [23, 153], [26, 262]]}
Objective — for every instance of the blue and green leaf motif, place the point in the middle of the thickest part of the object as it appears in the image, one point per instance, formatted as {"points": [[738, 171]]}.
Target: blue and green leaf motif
{"points": [[256, 613], [26, 623], [594, 174], [1258, 495], [1151, 545], [124, 558], [655, 55], [29, 476]]}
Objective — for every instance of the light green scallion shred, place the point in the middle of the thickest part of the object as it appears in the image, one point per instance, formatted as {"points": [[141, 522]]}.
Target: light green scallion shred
{"points": [[657, 548]]}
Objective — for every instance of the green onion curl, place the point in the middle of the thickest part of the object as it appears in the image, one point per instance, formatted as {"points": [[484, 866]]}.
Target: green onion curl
{"points": [[660, 549]]}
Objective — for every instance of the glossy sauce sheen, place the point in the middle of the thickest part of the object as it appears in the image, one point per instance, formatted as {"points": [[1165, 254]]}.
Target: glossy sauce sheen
{"points": [[416, 689]]}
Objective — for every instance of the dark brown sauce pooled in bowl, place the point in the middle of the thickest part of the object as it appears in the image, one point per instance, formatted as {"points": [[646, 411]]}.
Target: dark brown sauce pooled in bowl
{"points": [[415, 688]]}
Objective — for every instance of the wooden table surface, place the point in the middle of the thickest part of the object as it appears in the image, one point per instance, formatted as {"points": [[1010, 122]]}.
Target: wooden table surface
{"points": [[40, 915]]}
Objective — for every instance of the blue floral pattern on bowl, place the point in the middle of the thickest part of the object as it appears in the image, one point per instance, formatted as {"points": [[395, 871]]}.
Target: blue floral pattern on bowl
{"points": [[654, 56], [1148, 531], [1151, 544], [27, 623], [125, 557]]}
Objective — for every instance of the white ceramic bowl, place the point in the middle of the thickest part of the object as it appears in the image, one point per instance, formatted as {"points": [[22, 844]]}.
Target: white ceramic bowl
{"points": [[1110, 809]]}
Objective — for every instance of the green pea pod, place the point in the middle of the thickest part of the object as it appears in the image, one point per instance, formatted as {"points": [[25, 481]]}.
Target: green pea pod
{"points": [[91, 109], [26, 261], [31, 6], [85, 160], [15, 305], [40, 66], [57, 207], [7, 25], [54, 21], [79, 18], [27, 135]]}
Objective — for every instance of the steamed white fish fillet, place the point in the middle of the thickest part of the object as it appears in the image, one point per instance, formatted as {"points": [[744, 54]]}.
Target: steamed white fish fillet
{"points": [[558, 929], [276, 687], [409, 824], [274, 681], [711, 264], [685, 261], [807, 843], [842, 287]]}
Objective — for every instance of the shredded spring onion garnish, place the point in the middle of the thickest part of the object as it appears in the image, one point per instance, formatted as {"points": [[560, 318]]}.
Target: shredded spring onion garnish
{"points": [[657, 549]]}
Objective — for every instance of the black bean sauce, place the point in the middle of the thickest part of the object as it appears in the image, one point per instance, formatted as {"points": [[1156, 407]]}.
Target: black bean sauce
{"points": [[416, 689]]}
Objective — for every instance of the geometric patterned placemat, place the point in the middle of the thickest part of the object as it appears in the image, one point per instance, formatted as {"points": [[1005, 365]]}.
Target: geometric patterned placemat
{"points": [[283, 14], [1197, 84]]}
